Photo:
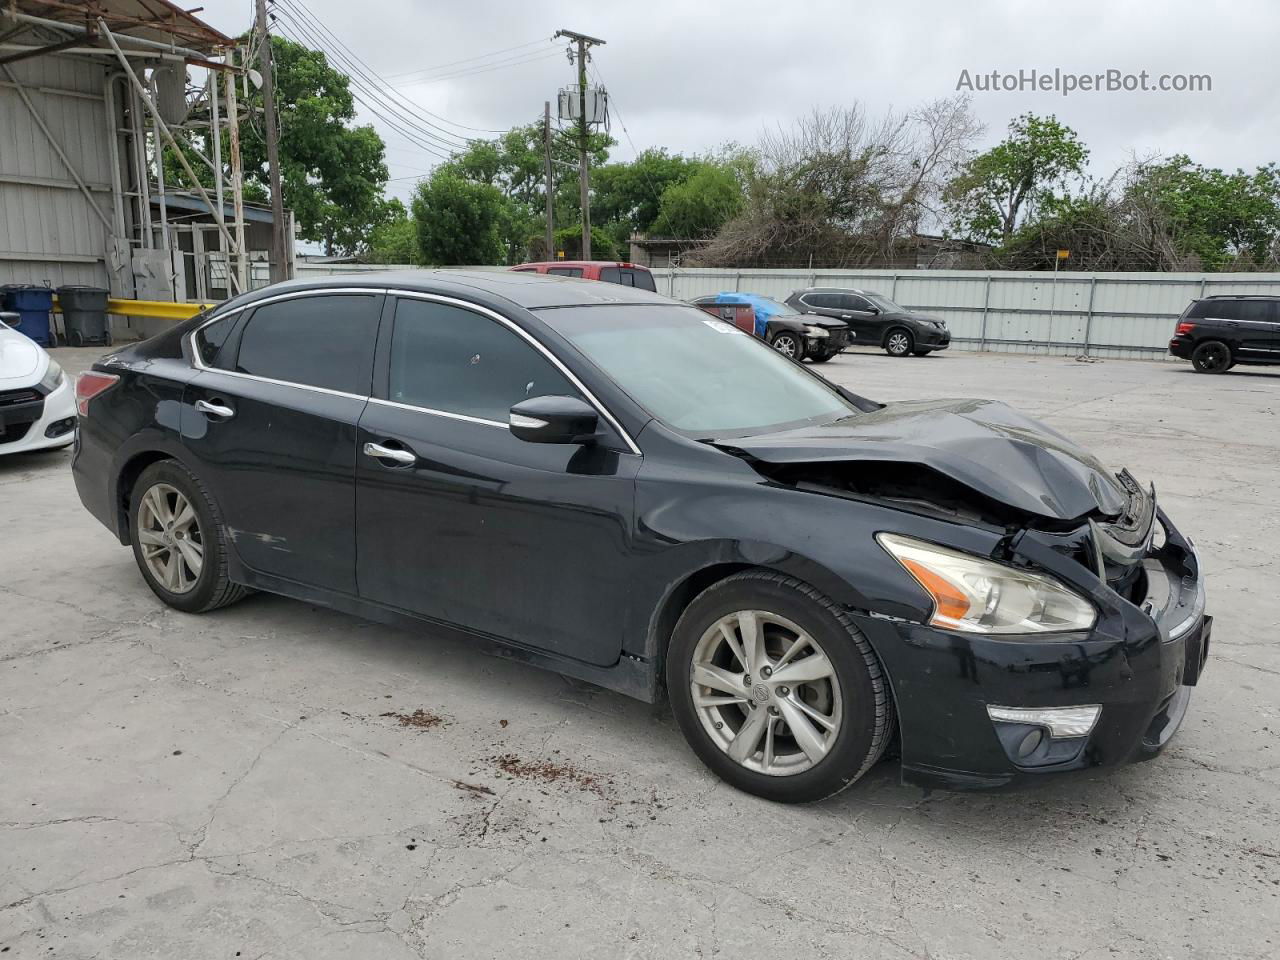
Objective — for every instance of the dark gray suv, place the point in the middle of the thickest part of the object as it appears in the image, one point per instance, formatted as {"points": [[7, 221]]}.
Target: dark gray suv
{"points": [[875, 320]]}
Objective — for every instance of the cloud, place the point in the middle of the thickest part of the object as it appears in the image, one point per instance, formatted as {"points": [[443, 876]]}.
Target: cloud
{"points": [[692, 75]]}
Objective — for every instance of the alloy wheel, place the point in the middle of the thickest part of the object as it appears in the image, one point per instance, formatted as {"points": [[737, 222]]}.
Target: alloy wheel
{"points": [[1212, 358], [766, 693], [786, 345], [899, 344], [169, 534]]}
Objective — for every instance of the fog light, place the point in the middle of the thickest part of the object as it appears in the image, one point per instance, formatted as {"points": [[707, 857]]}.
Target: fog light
{"points": [[1029, 743], [60, 427], [1061, 722]]}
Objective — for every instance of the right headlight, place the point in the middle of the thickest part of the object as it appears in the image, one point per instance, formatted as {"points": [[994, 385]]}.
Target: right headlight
{"points": [[975, 595], [817, 333]]}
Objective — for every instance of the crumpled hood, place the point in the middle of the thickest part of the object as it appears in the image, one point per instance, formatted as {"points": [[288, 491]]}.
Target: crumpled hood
{"points": [[21, 359], [984, 444]]}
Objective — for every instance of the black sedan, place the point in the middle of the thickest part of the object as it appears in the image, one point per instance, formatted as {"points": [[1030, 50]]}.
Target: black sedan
{"points": [[613, 485]]}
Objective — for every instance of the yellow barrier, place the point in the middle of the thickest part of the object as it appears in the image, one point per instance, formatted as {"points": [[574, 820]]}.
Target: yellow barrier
{"points": [[160, 309]]}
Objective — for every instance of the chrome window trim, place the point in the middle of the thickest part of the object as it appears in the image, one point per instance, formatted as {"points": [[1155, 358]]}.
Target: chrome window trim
{"points": [[555, 361], [439, 413], [412, 295]]}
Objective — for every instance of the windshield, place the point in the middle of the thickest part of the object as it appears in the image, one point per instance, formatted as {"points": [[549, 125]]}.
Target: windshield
{"points": [[699, 376], [885, 304]]}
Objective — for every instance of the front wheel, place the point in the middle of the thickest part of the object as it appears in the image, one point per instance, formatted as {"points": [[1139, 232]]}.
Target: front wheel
{"points": [[179, 541], [788, 344], [921, 353], [821, 357], [776, 690], [899, 343], [1212, 356]]}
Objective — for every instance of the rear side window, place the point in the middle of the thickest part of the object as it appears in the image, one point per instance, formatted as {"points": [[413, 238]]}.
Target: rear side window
{"points": [[210, 338], [823, 301], [565, 271], [318, 341], [610, 274], [1259, 310], [458, 361], [641, 280]]}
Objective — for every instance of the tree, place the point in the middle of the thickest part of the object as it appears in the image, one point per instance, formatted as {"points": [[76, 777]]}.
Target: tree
{"points": [[459, 221], [332, 172], [840, 188], [1008, 184], [627, 197], [396, 239], [696, 208]]}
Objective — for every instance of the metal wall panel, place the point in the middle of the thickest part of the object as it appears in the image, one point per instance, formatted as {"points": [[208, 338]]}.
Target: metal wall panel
{"points": [[49, 232]]}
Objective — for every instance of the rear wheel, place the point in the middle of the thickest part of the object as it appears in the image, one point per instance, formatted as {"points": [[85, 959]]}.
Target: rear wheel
{"points": [[776, 690], [179, 541], [789, 345], [1212, 356], [899, 343]]}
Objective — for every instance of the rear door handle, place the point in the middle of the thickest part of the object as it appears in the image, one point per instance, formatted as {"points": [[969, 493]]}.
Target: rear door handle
{"points": [[379, 452], [215, 410], [845, 316]]}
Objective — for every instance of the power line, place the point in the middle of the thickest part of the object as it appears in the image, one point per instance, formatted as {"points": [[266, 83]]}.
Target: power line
{"points": [[484, 56], [299, 9], [553, 55], [377, 108]]}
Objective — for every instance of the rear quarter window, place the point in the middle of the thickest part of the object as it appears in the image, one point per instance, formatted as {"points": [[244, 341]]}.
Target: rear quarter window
{"points": [[210, 338]]}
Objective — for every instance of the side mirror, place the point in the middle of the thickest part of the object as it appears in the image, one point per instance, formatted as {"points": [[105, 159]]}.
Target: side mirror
{"points": [[10, 319], [873, 310], [554, 420]]}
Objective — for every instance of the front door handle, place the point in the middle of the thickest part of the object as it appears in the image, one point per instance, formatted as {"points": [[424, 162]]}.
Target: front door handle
{"points": [[215, 410], [845, 316], [379, 452]]}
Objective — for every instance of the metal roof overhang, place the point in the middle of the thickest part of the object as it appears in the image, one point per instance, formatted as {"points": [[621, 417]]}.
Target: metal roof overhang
{"points": [[158, 21]]}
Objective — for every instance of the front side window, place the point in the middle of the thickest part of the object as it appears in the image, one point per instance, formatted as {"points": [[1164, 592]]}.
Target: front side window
{"points": [[701, 377], [884, 304], [324, 340], [457, 361]]}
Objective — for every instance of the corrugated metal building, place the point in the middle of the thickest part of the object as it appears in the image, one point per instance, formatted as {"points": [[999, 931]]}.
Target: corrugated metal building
{"points": [[85, 90]]}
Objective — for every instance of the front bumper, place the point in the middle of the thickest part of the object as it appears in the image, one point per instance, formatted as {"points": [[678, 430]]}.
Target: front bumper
{"points": [[933, 339], [837, 339], [37, 424], [1138, 665]]}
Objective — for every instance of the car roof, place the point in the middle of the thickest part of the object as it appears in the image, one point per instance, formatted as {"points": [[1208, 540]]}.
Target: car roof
{"points": [[857, 290], [495, 288], [1242, 296]]}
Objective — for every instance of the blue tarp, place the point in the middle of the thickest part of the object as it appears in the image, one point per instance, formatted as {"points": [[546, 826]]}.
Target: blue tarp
{"points": [[764, 307]]}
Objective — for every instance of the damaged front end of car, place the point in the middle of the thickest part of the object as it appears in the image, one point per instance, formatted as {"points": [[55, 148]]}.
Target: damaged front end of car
{"points": [[1073, 643]]}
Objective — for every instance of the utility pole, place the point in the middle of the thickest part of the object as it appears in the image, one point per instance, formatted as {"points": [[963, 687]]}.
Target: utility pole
{"points": [[548, 181], [584, 43], [279, 266], [241, 276]]}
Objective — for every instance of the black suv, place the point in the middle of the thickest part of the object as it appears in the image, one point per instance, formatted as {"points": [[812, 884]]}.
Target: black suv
{"points": [[875, 320], [1216, 333]]}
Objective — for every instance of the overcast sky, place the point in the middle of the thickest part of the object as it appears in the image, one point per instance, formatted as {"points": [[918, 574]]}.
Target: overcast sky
{"points": [[693, 74]]}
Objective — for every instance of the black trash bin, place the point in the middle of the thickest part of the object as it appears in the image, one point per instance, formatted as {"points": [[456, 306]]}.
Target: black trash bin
{"points": [[84, 315]]}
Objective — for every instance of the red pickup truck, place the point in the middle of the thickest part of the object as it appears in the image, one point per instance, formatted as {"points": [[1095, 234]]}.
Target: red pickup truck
{"points": [[610, 271]]}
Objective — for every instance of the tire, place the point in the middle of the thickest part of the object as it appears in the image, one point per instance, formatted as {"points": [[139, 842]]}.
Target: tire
{"points": [[788, 344], [76, 338], [821, 357], [1212, 356], [921, 353], [899, 342], [854, 693], [165, 485]]}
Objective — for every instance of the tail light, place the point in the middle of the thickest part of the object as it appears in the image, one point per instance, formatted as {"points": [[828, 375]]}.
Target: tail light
{"points": [[89, 385], [1184, 326]]}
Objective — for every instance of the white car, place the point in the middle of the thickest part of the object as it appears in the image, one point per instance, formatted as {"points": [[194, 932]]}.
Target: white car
{"points": [[37, 400]]}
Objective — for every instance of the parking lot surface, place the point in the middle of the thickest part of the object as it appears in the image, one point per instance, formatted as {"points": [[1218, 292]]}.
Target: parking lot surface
{"points": [[277, 780]]}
